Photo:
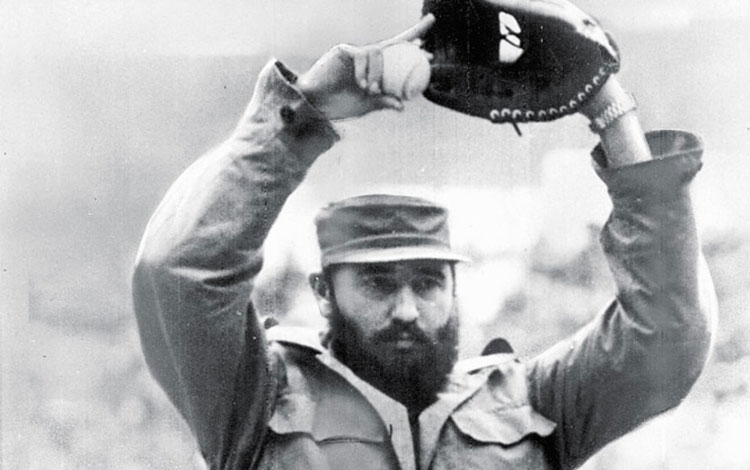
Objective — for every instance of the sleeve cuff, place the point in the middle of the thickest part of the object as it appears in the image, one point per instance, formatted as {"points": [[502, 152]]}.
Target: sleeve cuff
{"points": [[676, 161], [298, 124]]}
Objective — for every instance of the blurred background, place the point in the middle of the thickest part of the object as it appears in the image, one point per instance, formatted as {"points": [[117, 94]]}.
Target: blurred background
{"points": [[103, 104]]}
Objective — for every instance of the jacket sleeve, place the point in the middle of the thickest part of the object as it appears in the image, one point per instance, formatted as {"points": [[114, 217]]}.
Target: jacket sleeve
{"points": [[641, 356], [196, 264]]}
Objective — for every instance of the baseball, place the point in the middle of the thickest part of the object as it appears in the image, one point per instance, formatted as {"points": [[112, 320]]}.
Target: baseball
{"points": [[406, 70]]}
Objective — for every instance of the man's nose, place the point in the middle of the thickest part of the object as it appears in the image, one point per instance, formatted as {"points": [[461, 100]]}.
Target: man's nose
{"points": [[405, 307]]}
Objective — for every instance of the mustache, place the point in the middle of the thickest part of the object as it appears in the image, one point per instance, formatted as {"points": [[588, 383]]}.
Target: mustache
{"points": [[398, 331]]}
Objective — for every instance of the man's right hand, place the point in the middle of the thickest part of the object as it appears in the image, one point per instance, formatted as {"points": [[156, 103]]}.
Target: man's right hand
{"points": [[346, 81]]}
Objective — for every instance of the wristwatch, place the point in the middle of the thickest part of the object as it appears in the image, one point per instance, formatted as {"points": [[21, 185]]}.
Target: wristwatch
{"points": [[616, 109]]}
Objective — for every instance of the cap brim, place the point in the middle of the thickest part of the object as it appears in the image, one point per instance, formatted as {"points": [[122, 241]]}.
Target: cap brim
{"points": [[386, 255]]}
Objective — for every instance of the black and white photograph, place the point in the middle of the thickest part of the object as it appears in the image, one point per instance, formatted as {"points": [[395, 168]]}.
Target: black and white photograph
{"points": [[393, 235]]}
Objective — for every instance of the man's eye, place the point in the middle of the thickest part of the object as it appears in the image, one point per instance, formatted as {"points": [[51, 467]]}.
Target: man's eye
{"points": [[427, 284], [381, 284]]}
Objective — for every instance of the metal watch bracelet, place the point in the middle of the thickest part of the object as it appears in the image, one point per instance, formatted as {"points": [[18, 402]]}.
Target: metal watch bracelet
{"points": [[612, 112]]}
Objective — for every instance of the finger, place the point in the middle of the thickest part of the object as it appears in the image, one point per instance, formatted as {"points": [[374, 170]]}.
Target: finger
{"points": [[374, 69], [359, 62], [389, 102], [415, 32], [360, 68]]}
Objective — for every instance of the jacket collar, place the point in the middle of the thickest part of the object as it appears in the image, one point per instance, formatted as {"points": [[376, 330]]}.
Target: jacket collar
{"points": [[467, 377]]}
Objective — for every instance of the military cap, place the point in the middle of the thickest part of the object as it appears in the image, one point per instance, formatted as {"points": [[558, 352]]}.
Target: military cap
{"points": [[380, 228]]}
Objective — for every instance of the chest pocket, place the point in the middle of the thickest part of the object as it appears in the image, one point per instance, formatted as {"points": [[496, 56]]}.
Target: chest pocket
{"points": [[326, 425], [498, 439], [505, 426], [496, 428]]}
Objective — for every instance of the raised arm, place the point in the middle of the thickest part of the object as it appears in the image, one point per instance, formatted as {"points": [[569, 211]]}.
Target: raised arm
{"points": [[200, 253], [201, 250], [641, 356]]}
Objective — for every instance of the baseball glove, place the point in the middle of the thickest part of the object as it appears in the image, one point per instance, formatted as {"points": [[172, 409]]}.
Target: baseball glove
{"points": [[516, 60]]}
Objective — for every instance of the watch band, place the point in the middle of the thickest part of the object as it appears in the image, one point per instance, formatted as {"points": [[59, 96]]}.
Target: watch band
{"points": [[612, 112]]}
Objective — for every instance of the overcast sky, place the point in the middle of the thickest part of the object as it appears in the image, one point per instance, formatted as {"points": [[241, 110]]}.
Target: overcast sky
{"points": [[195, 27]]}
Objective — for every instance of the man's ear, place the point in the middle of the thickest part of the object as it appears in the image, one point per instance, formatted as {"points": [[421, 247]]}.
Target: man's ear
{"points": [[322, 291]]}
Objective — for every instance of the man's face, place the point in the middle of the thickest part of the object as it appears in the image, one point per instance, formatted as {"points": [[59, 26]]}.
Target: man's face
{"points": [[395, 322]]}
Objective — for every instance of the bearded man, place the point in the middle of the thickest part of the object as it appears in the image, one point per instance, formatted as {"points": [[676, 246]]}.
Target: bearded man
{"points": [[383, 390]]}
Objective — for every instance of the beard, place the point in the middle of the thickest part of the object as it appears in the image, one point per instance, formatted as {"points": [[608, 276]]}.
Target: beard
{"points": [[412, 376]]}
